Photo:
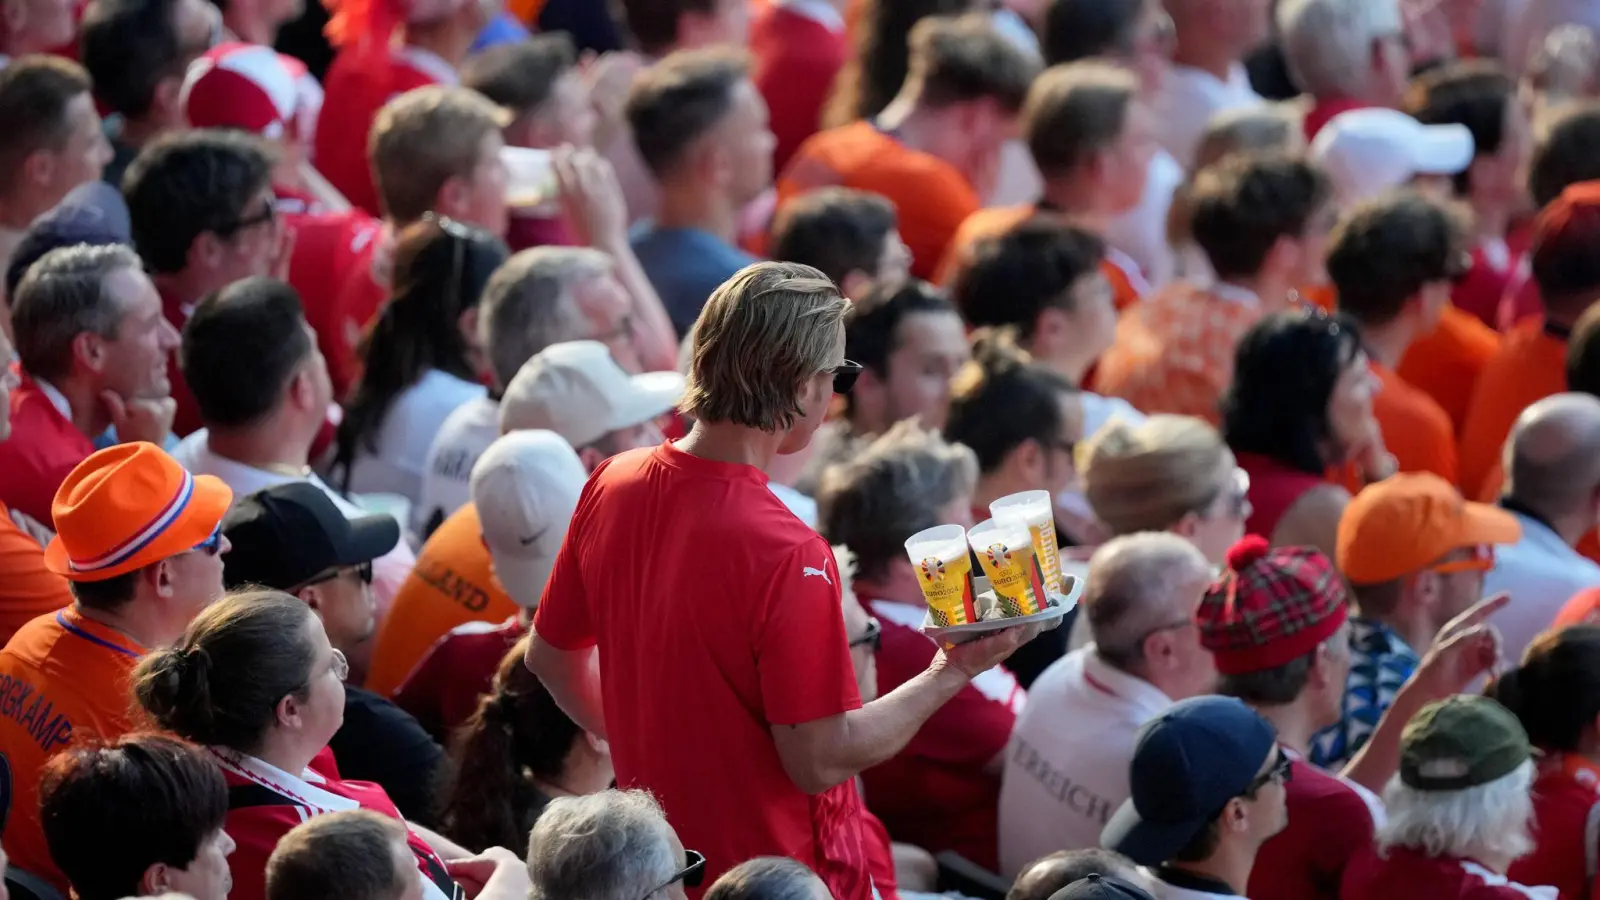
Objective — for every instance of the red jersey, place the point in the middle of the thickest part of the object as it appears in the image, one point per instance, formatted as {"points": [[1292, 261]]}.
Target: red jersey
{"points": [[796, 58], [442, 692], [1274, 489], [712, 628], [1329, 820], [265, 802], [43, 448], [330, 250], [1566, 824], [1403, 872], [63, 679], [936, 793], [358, 84]]}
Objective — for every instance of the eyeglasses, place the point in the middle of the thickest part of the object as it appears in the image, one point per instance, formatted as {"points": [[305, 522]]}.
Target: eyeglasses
{"points": [[362, 572], [212, 545], [873, 635], [1282, 771], [845, 375], [1237, 491], [1481, 560], [690, 874], [267, 214]]}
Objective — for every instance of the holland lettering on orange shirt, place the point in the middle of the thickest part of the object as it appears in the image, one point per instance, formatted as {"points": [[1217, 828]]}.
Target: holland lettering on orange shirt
{"points": [[34, 713], [444, 580]]}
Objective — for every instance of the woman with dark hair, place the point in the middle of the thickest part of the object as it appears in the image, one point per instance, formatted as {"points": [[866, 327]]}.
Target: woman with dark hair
{"points": [[876, 70], [1555, 693], [139, 816], [1300, 408], [518, 752], [420, 360], [256, 683]]}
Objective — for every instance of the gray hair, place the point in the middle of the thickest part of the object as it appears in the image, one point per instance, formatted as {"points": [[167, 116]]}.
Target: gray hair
{"points": [[62, 296], [528, 304], [1487, 822], [614, 845], [1132, 592], [766, 878], [1328, 43], [890, 491]]}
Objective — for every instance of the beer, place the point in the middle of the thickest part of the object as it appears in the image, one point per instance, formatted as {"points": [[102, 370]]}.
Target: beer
{"points": [[1036, 509], [1005, 550], [944, 572]]}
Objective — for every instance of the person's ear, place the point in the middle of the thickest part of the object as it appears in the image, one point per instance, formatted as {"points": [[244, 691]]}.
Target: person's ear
{"points": [[161, 580], [1050, 327], [313, 597], [855, 284], [1187, 526], [205, 251], [166, 96], [89, 351], [590, 457], [39, 167], [454, 198], [156, 880], [1235, 816], [289, 711], [467, 324], [599, 746], [1030, 458]]}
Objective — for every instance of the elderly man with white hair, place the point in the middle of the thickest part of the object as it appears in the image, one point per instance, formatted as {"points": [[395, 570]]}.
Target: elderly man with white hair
{"points": [[1459, 811], [1347, 54], [614, 845]]}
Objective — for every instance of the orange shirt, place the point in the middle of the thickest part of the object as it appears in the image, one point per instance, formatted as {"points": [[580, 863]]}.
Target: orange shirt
{"points": [[1529, 366], [453, 584], [1127, 283], [63, 679], [1445, 364], [27, 589], [1173, 353], [931, 197], [1415, 429]]}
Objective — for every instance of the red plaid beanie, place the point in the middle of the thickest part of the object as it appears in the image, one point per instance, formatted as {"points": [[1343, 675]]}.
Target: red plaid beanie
{"points": [[1270, 607]]}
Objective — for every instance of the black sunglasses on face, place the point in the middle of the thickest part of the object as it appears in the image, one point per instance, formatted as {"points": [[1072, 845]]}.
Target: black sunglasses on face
{"points": [[691, 874], [266, 214], [1282, 771], [845, 375], [363, 572]]}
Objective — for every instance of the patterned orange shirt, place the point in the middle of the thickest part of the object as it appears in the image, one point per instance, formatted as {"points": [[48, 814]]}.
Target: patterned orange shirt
{"points": [[1174, 351], [1127, 282]]}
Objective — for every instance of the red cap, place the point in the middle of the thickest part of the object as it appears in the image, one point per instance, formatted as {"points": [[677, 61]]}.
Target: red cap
{"points": [[1270, 607], [1569, 224], [249, 87]]}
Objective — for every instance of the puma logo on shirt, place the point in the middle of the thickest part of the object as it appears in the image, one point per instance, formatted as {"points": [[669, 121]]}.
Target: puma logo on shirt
{"points": [[809, 571]]}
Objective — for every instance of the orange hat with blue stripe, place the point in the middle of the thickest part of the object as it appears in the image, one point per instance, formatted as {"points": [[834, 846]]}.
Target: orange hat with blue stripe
{"points": [[130, 506]]}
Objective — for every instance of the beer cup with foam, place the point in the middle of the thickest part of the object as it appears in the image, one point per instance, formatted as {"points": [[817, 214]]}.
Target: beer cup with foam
{"points": [[1036, 509], [944, 571], [1005, 550]]}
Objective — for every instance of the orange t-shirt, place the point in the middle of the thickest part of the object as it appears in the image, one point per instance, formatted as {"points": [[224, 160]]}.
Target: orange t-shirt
{"points": [[27, 589], [931, 197], [453, 583], [1127, 283], [63, 679], [1529, 366], [1415, 429], [1445, 364]]}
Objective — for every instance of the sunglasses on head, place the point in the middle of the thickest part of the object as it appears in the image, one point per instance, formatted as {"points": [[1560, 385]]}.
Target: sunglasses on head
{"points": [[691, 874]]}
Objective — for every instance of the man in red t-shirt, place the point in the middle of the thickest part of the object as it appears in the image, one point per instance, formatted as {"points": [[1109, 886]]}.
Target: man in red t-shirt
{"points": [[93, 346], [710, 649]]}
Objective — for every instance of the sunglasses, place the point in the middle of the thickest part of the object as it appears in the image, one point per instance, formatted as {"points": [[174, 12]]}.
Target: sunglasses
{"points": [[845, 375], [690, 874], [212, 545], [1282, 771], [265, 215], [363, 573], [1481, 560], [873, 636]]}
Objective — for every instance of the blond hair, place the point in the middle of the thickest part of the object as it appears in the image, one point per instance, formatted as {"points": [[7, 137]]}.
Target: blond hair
{"points": [[763, 334], [422, 139], [1149, 476]]}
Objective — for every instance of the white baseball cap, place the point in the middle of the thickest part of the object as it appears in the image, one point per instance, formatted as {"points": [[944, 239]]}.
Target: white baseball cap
{"points": [[1369, 151], [526, 486], [578, 391]]}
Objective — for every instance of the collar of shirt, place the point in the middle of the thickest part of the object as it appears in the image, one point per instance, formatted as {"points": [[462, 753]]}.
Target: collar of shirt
{"points": [[430, 64], [820, 11], [56, 398], [1107, 679], [302, 788], [1372, 638], [1234, 293], [1536, 532], [1180, 884]]}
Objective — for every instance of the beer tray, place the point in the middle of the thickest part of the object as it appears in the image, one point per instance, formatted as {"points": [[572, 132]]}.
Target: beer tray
{"points": [[1060, 605]]}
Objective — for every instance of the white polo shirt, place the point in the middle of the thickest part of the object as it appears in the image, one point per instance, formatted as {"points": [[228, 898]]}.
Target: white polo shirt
{"points": [[1067, 765], [1187, 100], [1541, 573]]}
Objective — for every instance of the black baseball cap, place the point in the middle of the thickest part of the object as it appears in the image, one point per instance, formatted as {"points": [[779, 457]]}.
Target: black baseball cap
{"points": [[1102, 887], [287, 535], [1187, 764]]}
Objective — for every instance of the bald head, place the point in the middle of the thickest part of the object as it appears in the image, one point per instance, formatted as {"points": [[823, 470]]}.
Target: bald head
{"points": [[1553, 455], [1138, 585]]}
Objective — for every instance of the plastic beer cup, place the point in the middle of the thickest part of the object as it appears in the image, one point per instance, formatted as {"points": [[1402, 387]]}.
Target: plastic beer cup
{"points": [[1036, 509], [944, 571], [1005, 550]]}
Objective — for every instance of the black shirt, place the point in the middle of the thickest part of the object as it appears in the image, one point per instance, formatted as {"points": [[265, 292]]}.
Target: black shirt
{"points": [[382, 743]]}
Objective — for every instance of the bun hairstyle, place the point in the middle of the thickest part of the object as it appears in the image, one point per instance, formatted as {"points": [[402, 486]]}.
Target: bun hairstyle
{"points": [[1555, 693], [221, 683]]}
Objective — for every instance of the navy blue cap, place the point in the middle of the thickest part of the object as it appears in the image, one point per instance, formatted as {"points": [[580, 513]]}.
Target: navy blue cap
{"points": [[1187, 764], [92, 213], [1102, 887]]}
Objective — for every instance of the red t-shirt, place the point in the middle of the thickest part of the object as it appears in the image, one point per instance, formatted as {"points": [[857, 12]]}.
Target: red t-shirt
{"points": [[712, 628], [332, 250], [1329, 820], [935, 793], [880, 856], [186, 420], [796, 59], [358, 84], [1274, 489], [1406, 874], [43, 449], [525, 232], [264, 803], [1492, 273], [1566, 824], [442, 692], [1323, 112]]}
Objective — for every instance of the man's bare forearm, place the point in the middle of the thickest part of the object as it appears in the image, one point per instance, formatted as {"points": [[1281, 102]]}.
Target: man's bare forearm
{"points": [[573, 679]]}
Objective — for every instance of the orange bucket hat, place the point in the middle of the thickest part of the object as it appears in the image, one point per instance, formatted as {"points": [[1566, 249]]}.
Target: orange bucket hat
{"points": [[127, 507]]}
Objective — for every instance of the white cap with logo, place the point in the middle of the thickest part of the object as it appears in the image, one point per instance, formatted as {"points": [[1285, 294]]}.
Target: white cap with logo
{"points": [[578, 391], [526, 486], [1369, 151]]}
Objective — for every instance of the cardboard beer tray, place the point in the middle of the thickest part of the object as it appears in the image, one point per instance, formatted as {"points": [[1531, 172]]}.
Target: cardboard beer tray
{"points": [[1060, 605]]}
